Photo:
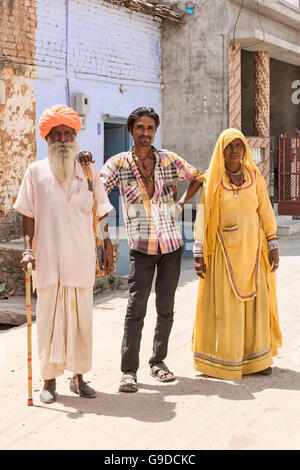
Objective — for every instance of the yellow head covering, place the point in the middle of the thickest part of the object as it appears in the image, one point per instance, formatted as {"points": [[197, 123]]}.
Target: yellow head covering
{"points": [[213, 177]]}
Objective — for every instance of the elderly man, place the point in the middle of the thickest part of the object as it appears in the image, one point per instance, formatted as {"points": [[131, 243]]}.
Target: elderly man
{"points": [[147, 178], [56, 202]]}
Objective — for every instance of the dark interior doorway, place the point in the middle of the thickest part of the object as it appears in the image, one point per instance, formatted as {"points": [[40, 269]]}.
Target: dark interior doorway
{"points": [[116, 139]]}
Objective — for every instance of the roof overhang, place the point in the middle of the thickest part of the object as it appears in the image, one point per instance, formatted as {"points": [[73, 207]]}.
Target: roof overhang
{"points": [[277, 10], [155, 9], [256, 40]]}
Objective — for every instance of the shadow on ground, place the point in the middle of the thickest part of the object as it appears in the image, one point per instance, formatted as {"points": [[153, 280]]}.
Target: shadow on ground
{"points": [[154, 407]]}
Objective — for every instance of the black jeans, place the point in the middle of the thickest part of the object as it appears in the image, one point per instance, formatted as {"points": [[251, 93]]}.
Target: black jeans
{"points": [[141, 272]]}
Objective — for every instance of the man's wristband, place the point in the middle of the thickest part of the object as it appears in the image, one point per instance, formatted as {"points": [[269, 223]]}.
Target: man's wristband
{"points": [[103, 225], [28, 251]]}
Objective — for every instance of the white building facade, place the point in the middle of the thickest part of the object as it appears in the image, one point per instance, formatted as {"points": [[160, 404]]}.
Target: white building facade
{"points": [[111, 55]]}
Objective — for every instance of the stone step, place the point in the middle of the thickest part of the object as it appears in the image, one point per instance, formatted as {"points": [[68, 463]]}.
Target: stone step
{"points": [[286, 225], [288, 228], [13, 310]]}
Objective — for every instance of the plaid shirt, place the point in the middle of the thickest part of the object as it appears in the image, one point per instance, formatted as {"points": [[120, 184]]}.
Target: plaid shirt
{"points": [[151, 223]]}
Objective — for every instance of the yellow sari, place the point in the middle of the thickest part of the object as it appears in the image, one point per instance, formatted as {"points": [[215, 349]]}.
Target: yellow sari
{"points": [[236, 328]]}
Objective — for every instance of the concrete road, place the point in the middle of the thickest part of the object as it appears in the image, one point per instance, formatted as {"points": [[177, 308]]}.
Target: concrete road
{"points": [[194, 412]]}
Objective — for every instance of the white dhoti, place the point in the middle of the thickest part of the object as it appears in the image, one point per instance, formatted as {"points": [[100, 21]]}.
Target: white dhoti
{"points": [[64, 330]]}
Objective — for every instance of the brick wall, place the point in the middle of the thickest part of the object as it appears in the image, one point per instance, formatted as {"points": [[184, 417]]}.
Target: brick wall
{"points": [[17, 26], [235, 97], [103, 39], [261, 93]]}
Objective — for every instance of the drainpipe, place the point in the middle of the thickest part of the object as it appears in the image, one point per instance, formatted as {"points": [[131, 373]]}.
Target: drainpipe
{"points": [[67, 56]]}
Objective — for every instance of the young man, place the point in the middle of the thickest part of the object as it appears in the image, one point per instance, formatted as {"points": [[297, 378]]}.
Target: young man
{"points": [[56, 203], [147, 179]]}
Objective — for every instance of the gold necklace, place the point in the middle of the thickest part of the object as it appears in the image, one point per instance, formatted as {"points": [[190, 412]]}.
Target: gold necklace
{"points": [[235, 173], [235, 191]]}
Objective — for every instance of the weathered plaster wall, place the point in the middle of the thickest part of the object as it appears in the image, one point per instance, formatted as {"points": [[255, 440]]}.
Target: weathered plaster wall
{"points": [[195, 75], [17, 131], [17, 106]]}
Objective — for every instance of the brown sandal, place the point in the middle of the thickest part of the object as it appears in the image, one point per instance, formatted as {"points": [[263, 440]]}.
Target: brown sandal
{"points": [[128, 383], [161, 373]]}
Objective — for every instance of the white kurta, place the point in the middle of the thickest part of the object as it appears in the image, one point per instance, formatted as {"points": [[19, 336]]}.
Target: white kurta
{"points": [[63, 231], [65, 249]]}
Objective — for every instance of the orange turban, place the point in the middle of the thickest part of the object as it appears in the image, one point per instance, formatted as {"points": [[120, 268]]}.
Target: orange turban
{"points": [[57, 115]]}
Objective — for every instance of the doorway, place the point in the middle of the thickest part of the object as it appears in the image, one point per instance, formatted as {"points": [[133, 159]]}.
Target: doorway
{"points": [[116, 139]]}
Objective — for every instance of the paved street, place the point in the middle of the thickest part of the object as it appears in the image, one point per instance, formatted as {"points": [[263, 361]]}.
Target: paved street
{"points": [[195, 412]]}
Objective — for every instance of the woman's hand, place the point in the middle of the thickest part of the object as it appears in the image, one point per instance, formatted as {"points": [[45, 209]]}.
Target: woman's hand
{"points": [[200, 266], [274, 259], [85, 157]]}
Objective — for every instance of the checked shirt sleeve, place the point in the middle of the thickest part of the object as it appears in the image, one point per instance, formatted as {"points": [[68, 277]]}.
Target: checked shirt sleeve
{"points": [[109, 175], [187, 171]]}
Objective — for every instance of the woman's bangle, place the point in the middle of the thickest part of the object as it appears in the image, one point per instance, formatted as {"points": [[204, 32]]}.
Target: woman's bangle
{"points": [[273, 244], [198, 249]]}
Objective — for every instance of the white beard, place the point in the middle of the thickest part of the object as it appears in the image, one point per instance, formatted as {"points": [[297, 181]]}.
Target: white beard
{"points": [[62, 158]]}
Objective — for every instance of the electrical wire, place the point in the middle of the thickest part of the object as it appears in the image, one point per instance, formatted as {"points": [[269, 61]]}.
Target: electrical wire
{"points": [[258, 16], [68, 95], [263, 31], [260, 23], [236, 22]]}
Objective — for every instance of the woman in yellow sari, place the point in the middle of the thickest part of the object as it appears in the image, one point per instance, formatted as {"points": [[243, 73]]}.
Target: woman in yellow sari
{"points": [[236, 327]]}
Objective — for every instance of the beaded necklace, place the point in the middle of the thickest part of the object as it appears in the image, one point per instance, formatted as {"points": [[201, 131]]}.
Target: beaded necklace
{"points": [[150, 177], [231, 173]]}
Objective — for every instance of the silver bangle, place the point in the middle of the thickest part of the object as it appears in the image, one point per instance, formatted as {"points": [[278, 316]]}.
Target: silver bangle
{"points": [[198, 249], [28, 251], [273, 244]]}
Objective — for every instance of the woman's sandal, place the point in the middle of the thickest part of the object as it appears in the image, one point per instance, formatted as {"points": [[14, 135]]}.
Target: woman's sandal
{"points": [[128, 383], [161, 373], [267, 371]]}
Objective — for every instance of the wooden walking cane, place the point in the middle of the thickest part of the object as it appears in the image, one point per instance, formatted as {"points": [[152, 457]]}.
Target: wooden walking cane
{"points": [[98, 240], [29, 323]]}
